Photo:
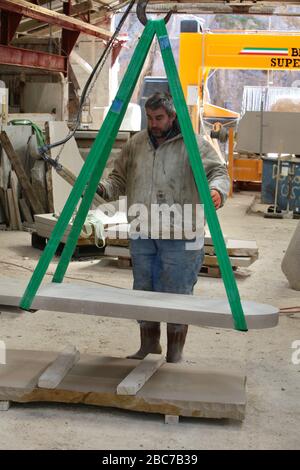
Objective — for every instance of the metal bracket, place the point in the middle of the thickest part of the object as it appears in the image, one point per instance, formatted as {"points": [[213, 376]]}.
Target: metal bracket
{"points": [[142, 15]]}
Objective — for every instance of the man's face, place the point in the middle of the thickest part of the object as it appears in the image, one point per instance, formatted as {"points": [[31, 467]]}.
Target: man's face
{"points": [[159, 122]]}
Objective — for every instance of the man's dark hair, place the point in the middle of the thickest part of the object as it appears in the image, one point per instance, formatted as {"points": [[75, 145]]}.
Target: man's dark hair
{"points": [[161, 100]]}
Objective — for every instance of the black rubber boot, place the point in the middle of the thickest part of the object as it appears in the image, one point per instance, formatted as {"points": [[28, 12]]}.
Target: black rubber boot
{"points": [[150, 336], [176, 335]]}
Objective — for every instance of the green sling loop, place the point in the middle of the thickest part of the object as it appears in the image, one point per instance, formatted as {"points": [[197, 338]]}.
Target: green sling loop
{"points": [[92, 170]]}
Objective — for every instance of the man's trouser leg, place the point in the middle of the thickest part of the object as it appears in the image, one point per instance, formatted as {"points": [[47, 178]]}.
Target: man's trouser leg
{"points": [[143, 255], [178, 273]]}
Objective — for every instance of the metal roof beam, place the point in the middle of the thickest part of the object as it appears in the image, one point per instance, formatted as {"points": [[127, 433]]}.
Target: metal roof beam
{"points": [[34, 59]]}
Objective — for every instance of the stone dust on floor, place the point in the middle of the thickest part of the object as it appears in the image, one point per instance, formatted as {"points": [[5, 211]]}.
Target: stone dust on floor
{"points": [[273, 382]]}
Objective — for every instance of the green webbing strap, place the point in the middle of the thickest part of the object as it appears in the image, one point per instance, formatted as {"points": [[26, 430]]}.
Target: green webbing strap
{"points": [[200, 176], [124, 94], [92, 170], [86, 182], [82, 213]]}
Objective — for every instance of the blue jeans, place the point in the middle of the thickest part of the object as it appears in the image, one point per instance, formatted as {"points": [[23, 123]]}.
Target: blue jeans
{"points": [[165, 265]]}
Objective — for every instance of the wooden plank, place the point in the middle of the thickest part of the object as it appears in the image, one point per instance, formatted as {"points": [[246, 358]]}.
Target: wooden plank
{"points": [[139, 376], [236, 261], [1, 177], [55, 373], [137, 305], [22, 177], [4, 405], [3, 201], [38, 182], [49, 186], [116, 241], [11, 208], [215, 388], [14, 187], [25, 211], [210, 271], [95, 18], [29, 25], [6, 206], [52, 17], [123, 252], [236, 248], [123, 228], [171, 419]]}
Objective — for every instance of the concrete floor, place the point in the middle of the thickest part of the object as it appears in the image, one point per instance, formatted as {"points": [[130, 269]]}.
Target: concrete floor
{"points": [[273, 411]]}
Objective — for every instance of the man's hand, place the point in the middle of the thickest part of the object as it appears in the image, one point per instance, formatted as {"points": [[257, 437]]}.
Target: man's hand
{"points": [[216, 197]]}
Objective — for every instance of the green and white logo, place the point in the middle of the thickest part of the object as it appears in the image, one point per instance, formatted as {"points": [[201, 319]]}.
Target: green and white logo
{"points": [[274, 51]]}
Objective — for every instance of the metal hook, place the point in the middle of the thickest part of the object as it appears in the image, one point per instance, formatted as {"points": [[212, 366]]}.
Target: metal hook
{"points": [[142, 15]]}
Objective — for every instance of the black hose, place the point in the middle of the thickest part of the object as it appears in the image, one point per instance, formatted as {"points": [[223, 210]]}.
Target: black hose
{"points": [[45, 148]]}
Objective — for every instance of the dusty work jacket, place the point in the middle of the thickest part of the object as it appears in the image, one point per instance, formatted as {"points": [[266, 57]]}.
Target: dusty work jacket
{"points": [[163, 176]]}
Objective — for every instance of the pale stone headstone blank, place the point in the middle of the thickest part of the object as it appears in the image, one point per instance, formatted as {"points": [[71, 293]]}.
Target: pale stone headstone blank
{"points": [[291, 261]]}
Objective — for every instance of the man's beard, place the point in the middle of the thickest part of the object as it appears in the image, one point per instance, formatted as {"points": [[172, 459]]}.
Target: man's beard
{"points": [[159, 133]]}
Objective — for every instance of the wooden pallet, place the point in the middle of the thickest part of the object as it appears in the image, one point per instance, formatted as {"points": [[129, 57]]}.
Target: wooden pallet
{"points": [[210, 267], [210, 271], [206, 271], [85, 248]]}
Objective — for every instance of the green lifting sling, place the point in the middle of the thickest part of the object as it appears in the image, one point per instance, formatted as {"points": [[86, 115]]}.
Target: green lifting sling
{"points": [[89, 177]]}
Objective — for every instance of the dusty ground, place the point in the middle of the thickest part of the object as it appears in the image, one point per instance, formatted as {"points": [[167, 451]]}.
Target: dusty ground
{"points": [[273, 412]]}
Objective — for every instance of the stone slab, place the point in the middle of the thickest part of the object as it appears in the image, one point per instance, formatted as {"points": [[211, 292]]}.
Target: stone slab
{"points": [[138, 305], [268, 132], [242, 247], [207, 391], [291, 261]]}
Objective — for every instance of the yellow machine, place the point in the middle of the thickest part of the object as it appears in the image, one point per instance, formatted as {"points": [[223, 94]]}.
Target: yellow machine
{"points": [[202, 51]]}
